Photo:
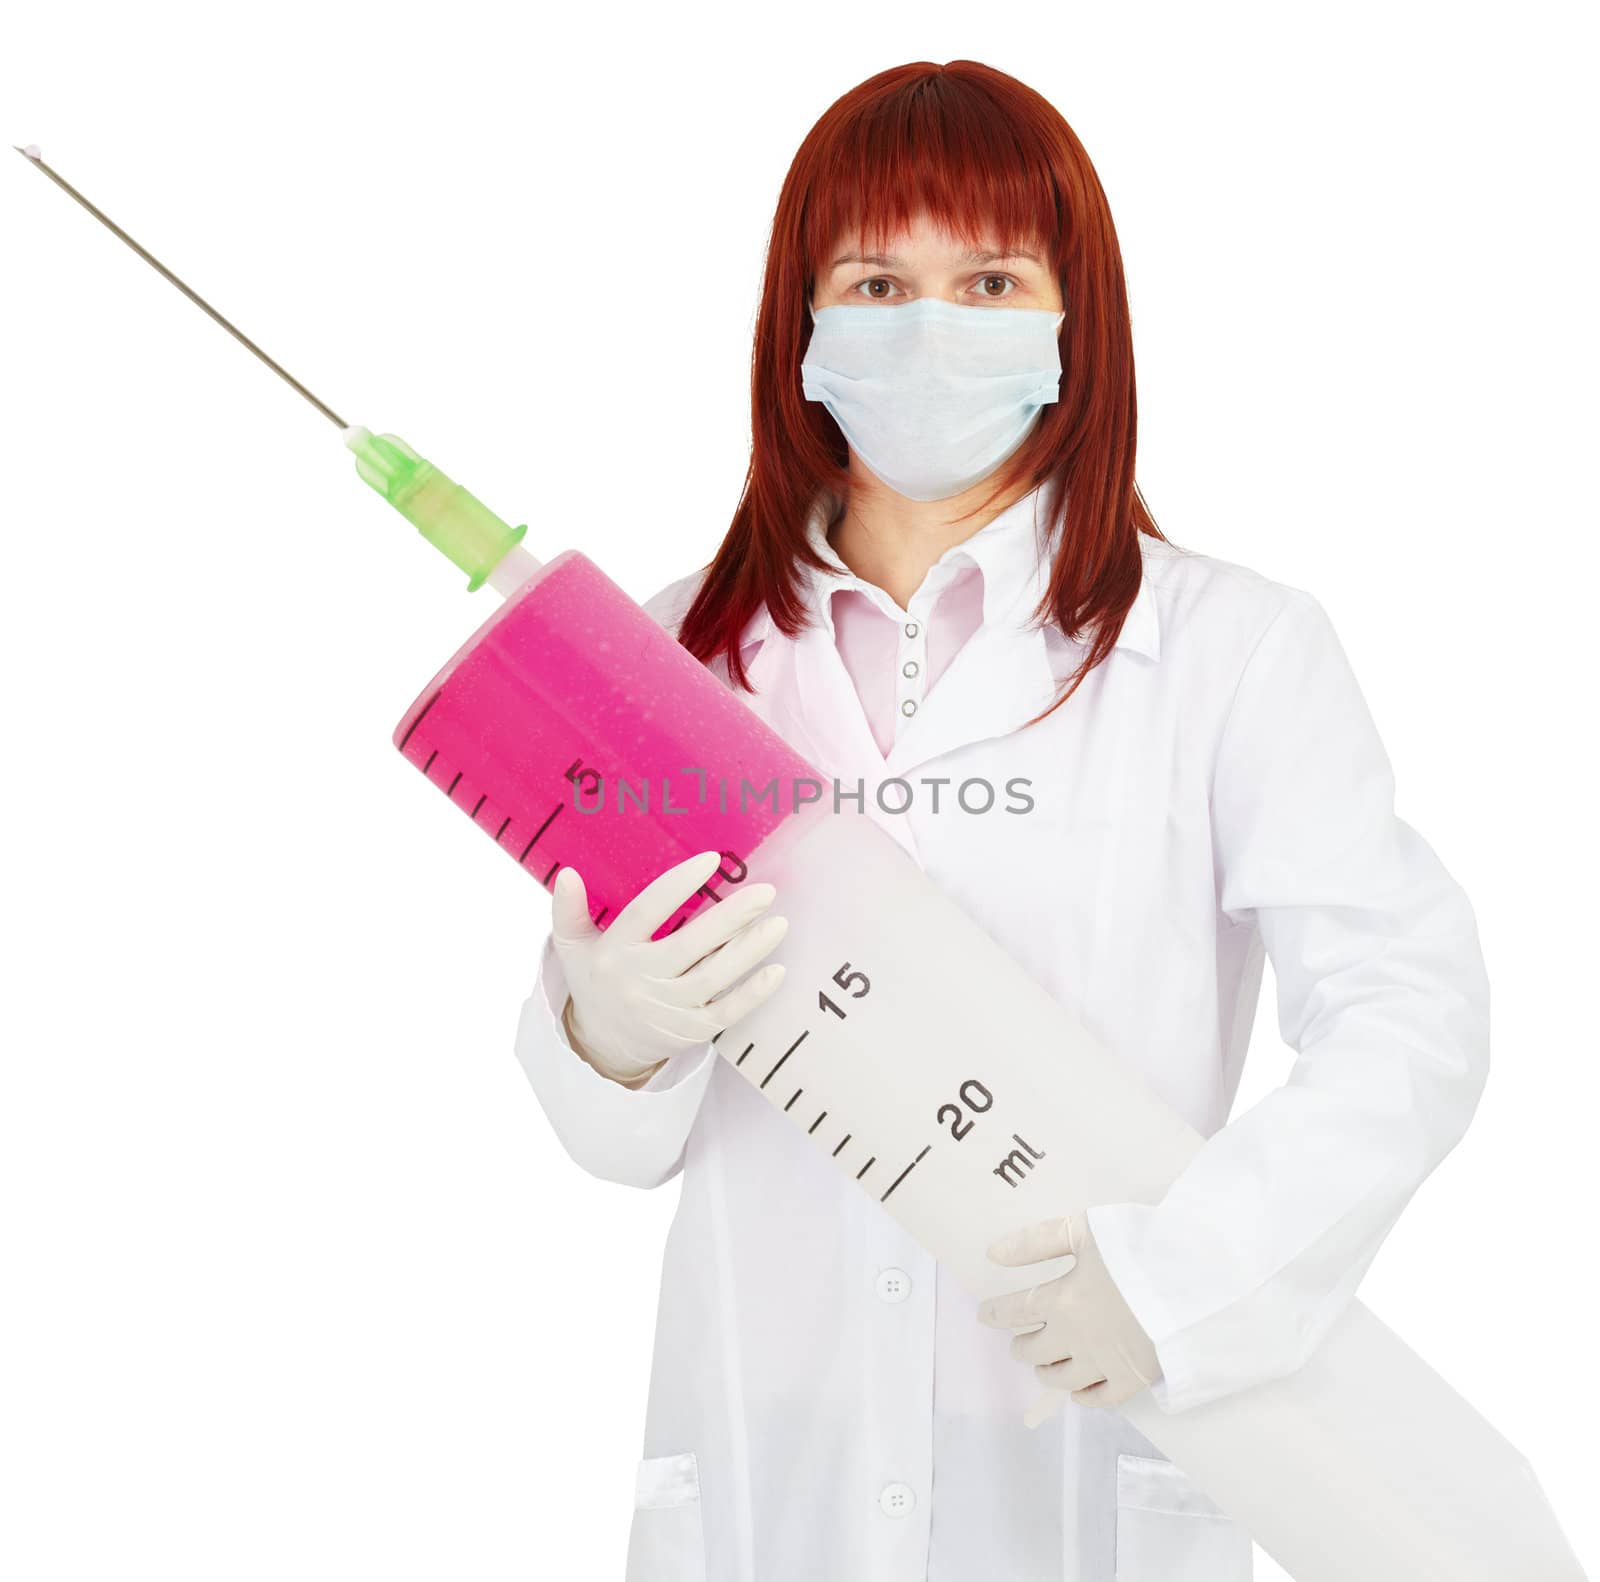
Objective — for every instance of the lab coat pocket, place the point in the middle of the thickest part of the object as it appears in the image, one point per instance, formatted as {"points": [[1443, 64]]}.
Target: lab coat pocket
{"points": [[1168, 1531], [666, 1542]]}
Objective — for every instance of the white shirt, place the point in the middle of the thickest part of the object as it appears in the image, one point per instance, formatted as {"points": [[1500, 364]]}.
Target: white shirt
{"points": [[822, 1405], [867, 631]]}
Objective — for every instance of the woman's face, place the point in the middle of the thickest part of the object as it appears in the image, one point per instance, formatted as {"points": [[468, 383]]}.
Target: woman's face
{"points": [[928, 262]]}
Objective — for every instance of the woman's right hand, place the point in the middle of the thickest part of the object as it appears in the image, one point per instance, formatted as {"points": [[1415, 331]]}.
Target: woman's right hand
{"points": [[637, 1000]]}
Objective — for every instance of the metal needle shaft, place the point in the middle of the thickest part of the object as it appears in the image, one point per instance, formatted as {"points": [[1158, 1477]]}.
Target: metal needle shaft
{"points": [[32, 156]]}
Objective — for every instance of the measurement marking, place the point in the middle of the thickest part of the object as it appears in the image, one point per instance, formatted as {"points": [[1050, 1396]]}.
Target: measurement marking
{"points": [[907, 1171], [790, 1104], [816, 1123], [431, 756], [419, 719], [866, 1167], [454, 783], [841, 1145], [537, 833], [550, 873], [747, 1049], [479, 803], [602, 917], [784, 1056], [503, 822], [718, 1034]]}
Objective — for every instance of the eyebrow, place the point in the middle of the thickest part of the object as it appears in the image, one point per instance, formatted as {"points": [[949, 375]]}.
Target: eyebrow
{"points": [[889, 261]]}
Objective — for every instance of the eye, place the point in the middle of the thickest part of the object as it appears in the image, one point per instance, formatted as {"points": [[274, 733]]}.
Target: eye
{"points": [[876, 280], [997, 296]]}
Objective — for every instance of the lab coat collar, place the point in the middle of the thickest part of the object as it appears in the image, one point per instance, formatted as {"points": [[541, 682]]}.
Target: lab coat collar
{"points": [[1003, 675], [1006, 550]]}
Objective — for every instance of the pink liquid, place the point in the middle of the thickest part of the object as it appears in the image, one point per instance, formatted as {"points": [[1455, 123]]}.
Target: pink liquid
{"points": [[571, 697]]}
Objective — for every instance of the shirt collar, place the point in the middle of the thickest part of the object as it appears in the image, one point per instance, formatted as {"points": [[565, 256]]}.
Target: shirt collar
{"points": [[1006, 550]]}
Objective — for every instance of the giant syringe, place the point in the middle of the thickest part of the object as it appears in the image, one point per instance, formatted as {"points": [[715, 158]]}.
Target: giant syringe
{"points": [[1364, 1464]]}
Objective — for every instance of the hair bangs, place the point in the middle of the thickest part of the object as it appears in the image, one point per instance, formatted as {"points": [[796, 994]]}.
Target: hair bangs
{"points": [[931, 147]]}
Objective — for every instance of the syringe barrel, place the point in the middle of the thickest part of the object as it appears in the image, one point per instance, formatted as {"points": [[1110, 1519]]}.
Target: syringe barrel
{"points": [[909, 1056], [577, 732]]}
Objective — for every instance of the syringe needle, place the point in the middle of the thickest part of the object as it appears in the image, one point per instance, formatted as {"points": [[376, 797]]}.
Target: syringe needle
{"points": [[32, 155], [455, 522]]}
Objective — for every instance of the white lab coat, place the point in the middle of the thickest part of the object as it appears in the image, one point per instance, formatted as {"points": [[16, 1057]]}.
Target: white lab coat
{"points": [[824, 1407]]}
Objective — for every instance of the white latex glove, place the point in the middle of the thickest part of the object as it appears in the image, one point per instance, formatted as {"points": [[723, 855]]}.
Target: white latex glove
{"points": [[634, 1001], [1090, 1345]]}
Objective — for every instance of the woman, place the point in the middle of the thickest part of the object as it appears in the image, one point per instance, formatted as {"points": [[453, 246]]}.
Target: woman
{"points": [[942, 568]]}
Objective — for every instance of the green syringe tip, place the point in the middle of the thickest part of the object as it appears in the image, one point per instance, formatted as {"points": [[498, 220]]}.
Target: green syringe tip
{"points": [[455, 522]]}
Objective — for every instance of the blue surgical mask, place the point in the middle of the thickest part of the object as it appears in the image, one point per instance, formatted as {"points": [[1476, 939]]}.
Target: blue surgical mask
{"points": [[932, 396]]}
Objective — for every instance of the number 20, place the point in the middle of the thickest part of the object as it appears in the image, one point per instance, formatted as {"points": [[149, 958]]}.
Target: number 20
{"points": [[976, 1097]]}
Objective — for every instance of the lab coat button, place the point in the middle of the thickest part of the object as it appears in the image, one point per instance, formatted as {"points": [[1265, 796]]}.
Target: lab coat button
{"points": [[912, 628], [894, 1285], [909, 668], [909, 707], [896, 1499]]}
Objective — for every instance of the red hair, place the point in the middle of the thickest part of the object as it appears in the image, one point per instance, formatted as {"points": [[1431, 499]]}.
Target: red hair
{"points": [[977, 151]]}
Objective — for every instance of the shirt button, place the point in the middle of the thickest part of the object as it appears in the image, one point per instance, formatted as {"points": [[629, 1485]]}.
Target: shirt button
{"points": [[912, 628], [894, 1285], [896, 1499], [909, 668], [909, 707]]}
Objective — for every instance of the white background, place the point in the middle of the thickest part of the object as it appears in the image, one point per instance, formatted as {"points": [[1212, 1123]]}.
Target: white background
{"points": [[300, 1283]]}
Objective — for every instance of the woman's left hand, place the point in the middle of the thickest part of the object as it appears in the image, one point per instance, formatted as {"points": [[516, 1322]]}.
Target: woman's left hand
{"points": [[1090, 1344]]}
